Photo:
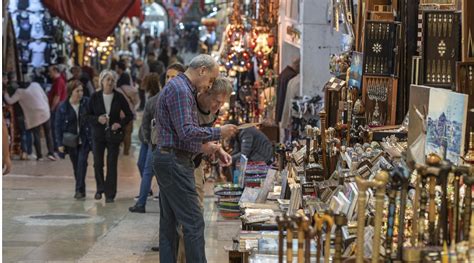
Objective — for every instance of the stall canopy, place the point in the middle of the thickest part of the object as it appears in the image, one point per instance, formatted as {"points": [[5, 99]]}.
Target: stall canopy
{"points": [[94, 18]]}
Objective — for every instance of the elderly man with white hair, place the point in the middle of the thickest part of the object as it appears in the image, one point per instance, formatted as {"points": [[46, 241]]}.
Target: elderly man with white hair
{"points": [[180, 140]]}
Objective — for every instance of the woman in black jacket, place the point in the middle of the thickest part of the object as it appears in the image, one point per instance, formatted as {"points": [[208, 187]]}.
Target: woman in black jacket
{"points": [[108, 112], [73, 133]]}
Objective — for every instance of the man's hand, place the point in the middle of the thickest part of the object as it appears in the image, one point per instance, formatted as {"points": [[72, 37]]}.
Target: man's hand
{"points": [[116, 126], [228, 131], [61, 149], [102, 119], [210, 148], [224, 158]]}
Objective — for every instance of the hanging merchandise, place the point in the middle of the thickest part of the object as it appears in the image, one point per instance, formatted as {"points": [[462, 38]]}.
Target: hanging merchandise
{"points": [[248, 54], [40, 37], [98, 51], [85, 17], [177, 11]]}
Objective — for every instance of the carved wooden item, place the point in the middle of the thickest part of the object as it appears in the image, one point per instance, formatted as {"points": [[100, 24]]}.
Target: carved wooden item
{"points": [[379, 95], [379, 45], [440, 49]]}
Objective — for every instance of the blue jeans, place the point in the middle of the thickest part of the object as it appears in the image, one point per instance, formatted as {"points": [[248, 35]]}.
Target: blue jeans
{"points": [[26, 137], [147, 176], [179, 205], [79, 156], [142, 158]]}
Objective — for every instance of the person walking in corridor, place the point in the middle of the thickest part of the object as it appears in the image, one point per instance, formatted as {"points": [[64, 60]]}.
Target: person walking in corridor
{"points": [[56, 95], [104, 113], [73, 133], [180, 139], [152, 86]]}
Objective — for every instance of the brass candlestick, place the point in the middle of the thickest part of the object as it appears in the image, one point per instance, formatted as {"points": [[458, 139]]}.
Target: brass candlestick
{"points": [[400, 177], [281, 222], [459, 171], [415, 203], [340, 220], [349, 118], [316, 133], [445, 168], [319, 221], [381, 179], [322, 116], [309, 135], [468, 181], [392, 194], [469, 157]]}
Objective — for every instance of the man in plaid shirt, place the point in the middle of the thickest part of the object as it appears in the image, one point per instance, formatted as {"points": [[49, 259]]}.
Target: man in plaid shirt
{"points": [[180, 139]]}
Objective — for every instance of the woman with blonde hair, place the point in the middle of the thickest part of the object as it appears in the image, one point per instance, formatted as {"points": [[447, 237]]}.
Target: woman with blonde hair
{"points": [[104, 114], [73, 133]]}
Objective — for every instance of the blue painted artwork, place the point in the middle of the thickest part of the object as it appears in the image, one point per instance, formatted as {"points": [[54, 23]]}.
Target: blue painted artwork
{"points": [[446, 122], [355, 71]]}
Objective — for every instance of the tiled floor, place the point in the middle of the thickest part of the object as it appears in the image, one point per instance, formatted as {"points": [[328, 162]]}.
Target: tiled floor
{"points": [[109, 234]]}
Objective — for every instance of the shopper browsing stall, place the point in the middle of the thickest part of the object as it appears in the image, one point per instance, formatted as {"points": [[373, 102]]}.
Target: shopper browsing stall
{"points": [[208, 104], [252, 143], [180, 139]]}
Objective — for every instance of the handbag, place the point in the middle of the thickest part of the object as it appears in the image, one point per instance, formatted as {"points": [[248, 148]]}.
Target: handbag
{"points": [[112, 136], [70, 139]]}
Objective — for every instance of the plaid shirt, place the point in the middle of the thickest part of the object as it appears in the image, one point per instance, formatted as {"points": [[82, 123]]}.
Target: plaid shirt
{"points": [[177, 119]]}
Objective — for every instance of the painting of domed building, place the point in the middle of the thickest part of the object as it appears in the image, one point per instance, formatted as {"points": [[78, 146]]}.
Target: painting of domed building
{"points": [[446, 122]]}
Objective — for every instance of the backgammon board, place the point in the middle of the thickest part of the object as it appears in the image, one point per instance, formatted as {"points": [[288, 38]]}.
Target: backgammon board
{"points": [[468, 30], [465, 84], [440, 48], [379, 44]]}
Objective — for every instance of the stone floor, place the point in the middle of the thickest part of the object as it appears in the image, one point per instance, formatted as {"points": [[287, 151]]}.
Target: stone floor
{"points": [[90, 230]]}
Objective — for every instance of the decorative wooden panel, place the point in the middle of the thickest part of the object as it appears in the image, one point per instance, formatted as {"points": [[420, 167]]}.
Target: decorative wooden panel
{"points": [[379, 43], [379, 95], [333, 96], [415, 70], [468, 30], [465, 84], [441, 48]]}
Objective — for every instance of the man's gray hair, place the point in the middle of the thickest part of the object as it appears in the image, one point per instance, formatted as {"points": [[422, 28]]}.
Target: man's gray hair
{"points": [[221, 85], [203, 60]]}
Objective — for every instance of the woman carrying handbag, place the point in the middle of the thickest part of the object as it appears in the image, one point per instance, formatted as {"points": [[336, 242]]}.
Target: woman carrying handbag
{"points": [[104, 113], [73, 133]]}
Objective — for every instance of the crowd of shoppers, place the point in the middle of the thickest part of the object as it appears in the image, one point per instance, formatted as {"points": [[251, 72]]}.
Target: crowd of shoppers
{"points": [[180, 107]]}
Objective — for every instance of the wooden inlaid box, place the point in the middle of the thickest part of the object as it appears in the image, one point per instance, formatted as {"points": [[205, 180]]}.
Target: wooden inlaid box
{"points": [[333, 96], [379, 95], [379, 45], [440, 48], [468, 31]]}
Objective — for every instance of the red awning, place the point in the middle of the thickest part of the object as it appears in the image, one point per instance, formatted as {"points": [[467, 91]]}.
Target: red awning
{"points": [[136, 10], [94, 18]]}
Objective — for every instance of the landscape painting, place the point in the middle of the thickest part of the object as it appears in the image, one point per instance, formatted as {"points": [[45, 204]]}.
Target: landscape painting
{"points": [[446, 122]]}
